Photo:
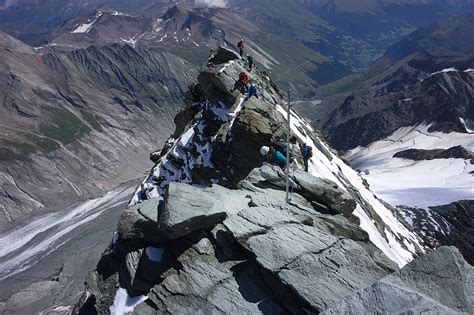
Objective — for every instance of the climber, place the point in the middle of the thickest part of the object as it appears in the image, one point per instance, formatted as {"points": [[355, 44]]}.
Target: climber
{"points": [[241, 47], [274, 157], [252, 91], [244, 77], [280, 145], [307, 152], [241, 83], [250, 61]]}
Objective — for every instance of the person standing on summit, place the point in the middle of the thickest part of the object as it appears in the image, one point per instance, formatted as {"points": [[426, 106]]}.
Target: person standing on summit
{"points": [[241, 47], [250, 62]]}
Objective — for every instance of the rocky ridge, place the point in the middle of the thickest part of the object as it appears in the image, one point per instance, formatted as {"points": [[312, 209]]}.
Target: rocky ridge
{"points": [[209, 229]]}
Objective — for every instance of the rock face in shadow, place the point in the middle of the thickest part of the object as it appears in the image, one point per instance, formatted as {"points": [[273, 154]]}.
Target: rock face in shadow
{"points": [[439, 282]]}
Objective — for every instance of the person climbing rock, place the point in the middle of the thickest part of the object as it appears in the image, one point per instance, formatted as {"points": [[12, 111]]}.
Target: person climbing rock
{"points": [[241, 47], [242, 83], [274, 157], [252, 91], [280, 145], [244, 77], [307, 153], [250, 62]]}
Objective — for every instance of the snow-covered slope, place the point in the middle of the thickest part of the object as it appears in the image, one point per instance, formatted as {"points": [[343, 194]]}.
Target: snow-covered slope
{"points": [[420, 183], [198, 147]]}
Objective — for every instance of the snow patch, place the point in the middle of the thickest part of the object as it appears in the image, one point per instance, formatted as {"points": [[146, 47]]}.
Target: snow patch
{"points": [[469, 130], [416, 183], [445, 71], [124, 304], [226, 65], [86, 27], [337, 171]]}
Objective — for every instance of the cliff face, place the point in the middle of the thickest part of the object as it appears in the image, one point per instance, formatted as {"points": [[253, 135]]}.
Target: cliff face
{"points": [[209, 229]]}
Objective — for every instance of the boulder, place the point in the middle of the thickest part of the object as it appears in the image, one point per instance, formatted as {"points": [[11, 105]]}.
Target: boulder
{"points": [[223, 55], [319, 267], [326, 192], [210, 282], [187, 209], [441, 282], [141, 222]]}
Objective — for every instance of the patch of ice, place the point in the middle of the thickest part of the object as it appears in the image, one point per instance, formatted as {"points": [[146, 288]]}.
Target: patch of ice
{"points": [[226, 65], [154, 254], [469, 130], [86, 27], [445, 71], [124, 304]]}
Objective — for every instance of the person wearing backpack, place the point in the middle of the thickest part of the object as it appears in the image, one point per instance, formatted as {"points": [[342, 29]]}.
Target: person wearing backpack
{"points": [[250, 62], [241, 46], [307, 153], [274, 156]]}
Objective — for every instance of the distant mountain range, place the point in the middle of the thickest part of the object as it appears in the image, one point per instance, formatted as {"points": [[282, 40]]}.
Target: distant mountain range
{"points": [[313, 42]]}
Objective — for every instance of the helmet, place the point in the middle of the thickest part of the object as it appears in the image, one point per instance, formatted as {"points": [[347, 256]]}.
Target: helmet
{"points": [[264, 150]]}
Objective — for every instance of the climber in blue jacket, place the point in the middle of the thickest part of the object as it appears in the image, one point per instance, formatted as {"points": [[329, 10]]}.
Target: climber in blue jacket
{"points": [[252, 91], [274, 156]]}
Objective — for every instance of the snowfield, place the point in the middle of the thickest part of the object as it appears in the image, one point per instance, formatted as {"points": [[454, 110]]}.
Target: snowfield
{"points": [[416, 183]]}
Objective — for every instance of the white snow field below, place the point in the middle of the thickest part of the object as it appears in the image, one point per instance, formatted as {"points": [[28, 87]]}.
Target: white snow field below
{"points": [[416, 183]]}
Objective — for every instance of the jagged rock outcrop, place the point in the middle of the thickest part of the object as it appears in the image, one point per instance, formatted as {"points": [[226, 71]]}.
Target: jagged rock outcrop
{"points": [[228, 241], [451, 224], [456, 152], [187, 209], [439, 282]]}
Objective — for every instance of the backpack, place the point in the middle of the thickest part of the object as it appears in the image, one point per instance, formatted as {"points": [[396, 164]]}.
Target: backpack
{"points": [[279, 146], [243, 77], [307, 151]]}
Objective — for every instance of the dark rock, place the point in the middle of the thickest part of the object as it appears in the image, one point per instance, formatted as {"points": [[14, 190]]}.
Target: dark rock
{"points": [[141, 222], [451, 225], [439, 282], [222, 55], [457, 152]]}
